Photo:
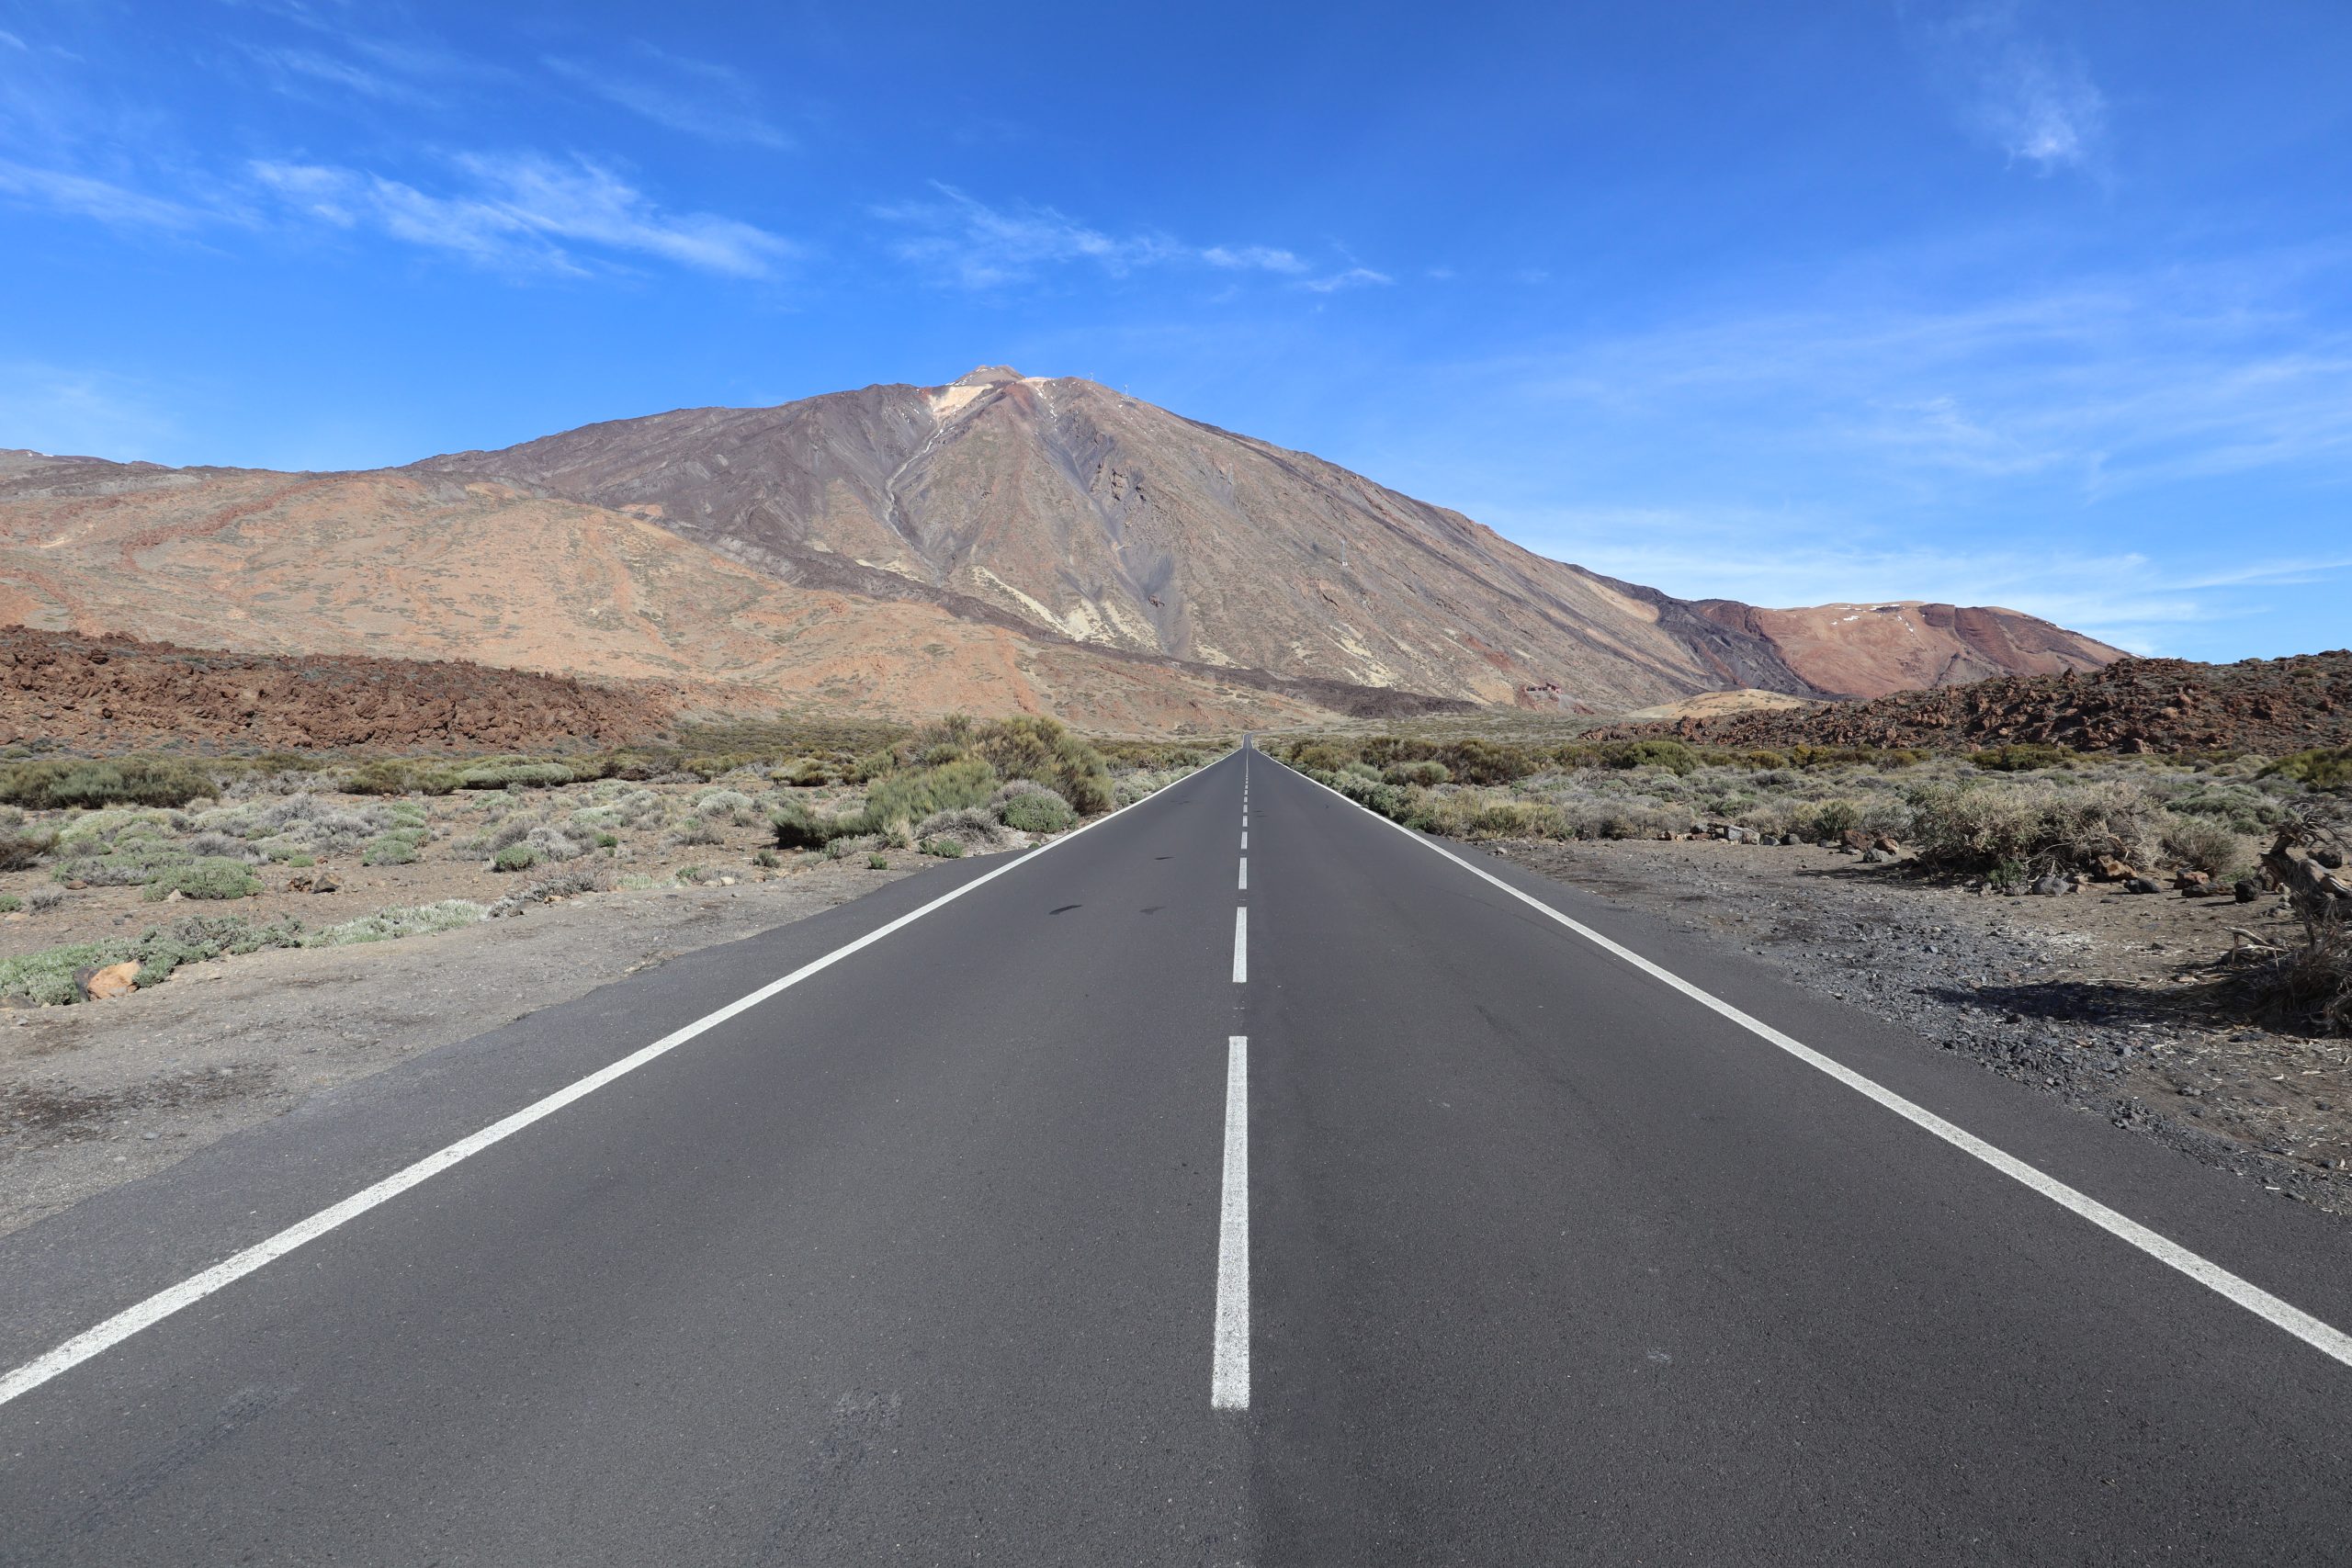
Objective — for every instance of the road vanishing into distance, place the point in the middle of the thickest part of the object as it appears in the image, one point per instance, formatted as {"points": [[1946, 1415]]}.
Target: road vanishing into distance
{"points": [[1237, 1181]]}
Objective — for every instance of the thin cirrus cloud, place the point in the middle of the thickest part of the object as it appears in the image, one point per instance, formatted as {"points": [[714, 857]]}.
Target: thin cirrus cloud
{"points": [[101, 200], [527, 212], [694, 97], [2014, 90], [304, 73], [970, 244]]}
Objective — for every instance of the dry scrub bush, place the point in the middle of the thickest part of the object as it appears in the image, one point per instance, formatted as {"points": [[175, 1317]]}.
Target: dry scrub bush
{"points": [[2202, 843], [2038, 823]]}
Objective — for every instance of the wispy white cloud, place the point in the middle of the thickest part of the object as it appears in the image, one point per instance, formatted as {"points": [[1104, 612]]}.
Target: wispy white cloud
{"points": [[306, 73], [2107, 385], [980, 246], [102, 201], [528, 212], [1349, 277], [974, 245], [2019, 92], [714, 102], [1260, 258]]}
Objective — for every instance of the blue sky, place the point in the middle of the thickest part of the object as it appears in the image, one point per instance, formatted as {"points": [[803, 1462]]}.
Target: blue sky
{"points": [[2047, 305]]}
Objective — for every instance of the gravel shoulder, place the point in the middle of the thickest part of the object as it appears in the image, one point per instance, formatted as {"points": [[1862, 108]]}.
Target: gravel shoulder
{"points": [[97, 1095], [2122, 1005]]}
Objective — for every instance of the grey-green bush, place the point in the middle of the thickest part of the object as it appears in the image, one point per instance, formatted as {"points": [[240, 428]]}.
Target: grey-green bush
{"points": [[213, 877], [1039, 811]]}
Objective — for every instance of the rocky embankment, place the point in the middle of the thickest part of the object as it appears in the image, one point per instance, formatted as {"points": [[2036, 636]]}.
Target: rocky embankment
{"points": [[2273, 706], [115, 694]]}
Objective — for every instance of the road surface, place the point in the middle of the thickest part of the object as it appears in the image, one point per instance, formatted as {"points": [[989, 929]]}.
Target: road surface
{"points": [[1223, 1184]]}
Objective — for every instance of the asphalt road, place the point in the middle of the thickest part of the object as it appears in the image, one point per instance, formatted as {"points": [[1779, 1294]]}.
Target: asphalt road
{"points": [[990, 1242]]}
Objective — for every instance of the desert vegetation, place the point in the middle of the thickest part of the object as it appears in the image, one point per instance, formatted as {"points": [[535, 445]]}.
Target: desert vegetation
{"points": [[2012, 818], [274, 848]]}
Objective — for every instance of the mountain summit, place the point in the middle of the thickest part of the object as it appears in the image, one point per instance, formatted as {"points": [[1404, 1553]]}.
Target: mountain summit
{"points": [[1076, 511], [1000, 543]]}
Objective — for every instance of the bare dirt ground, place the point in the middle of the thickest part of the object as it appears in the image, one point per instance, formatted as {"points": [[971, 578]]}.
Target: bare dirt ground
{"points": [[105, 1092], [2122, 1004]]}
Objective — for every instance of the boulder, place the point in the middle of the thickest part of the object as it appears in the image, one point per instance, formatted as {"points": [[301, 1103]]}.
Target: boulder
{"points": [[113, 980], [2193, 883], [2053, 885], [2143, 884], [2248, 889], [2113, 870]]}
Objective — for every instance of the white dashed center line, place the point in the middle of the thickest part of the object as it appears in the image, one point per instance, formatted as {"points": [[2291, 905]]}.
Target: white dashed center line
{"points": [[1230, 1358]]}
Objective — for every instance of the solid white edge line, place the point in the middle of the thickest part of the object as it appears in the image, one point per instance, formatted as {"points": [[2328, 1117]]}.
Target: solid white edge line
{"points": [[114, 1330], [2327, 1339], [1244, 885], [1241, 945], [1229, 1354]]}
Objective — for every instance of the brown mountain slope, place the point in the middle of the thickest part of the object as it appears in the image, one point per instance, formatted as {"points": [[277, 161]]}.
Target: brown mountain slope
{"points": [[1065, 506], [415, 566], [2270, 705], [1867, 650], [1003, 544]]}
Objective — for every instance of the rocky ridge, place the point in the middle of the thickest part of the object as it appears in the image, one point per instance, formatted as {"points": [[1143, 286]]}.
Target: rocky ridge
{"points": [[2266, 706], [114, 694]]}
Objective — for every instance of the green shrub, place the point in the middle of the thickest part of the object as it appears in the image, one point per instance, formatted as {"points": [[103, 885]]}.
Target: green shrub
{"points": [[2038, 822], [1672, 755], [766, 858], [212, 876], [877, 862], [530, 775], [945, 849], [20, 849], [50, 784], [1428, 774], [1042, 812], [1041, 750], [393, 849], [1467, 816], [402, 775], [10, 903], [1821, 820], [2022, 757], [797, 828], [514, 857], [608, 840], [389, 925], [906, 797], [46, 978], [2202, 844], [2319, 770]]}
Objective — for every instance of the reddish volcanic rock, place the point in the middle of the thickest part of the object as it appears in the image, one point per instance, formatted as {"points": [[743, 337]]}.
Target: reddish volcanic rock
{"points": [[115, 694], [2268, 705]]}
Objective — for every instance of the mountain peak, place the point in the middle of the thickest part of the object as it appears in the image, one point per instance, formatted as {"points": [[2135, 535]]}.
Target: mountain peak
{"points": [[987, 375]]}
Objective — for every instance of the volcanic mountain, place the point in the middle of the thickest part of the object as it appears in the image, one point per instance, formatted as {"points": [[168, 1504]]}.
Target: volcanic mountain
{"points": [[1003, 543]]}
